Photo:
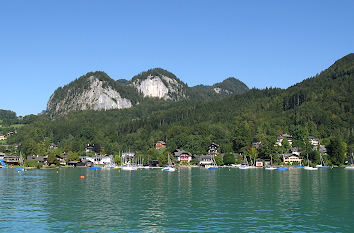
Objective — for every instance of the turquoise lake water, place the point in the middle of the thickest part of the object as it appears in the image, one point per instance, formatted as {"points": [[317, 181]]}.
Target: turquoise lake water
{"points": [[189, 200]]}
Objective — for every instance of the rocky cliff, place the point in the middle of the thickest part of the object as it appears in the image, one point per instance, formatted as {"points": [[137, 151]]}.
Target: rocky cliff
{"points": [[93, 91], [161, 84], [97, 91]]}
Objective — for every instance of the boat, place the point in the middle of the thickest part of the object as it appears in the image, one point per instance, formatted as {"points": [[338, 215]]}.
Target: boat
{"points": [[169, 168], [351, 166], [95, 168], [129, 168], [271, 164], [282, 168], [322, 165], [245, 165], [308, 165]]}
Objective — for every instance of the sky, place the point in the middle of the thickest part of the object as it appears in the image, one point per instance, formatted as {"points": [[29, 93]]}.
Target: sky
{"points": [[47, 44]]}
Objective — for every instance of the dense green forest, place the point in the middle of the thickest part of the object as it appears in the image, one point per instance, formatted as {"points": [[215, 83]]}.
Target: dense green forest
{"points": [[321, 106]]}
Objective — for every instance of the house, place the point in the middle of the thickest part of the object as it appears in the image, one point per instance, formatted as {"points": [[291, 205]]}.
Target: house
{"points": [[204, 159], [35, 158], [295, 151], [14, 160], [291, 158], [53, 146], [282, 137], [89, 148], [213, 148], [98, 159], [323, 149], [314, 141], [182, 156], [160, 145], [2, 137], [259, 163]]}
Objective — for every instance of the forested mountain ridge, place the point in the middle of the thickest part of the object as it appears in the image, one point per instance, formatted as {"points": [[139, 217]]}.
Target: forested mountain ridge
{"points": [[321, 106], [97, 91]]}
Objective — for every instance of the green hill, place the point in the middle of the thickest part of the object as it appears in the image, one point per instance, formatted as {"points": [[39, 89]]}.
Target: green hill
{"points": [[320, 106]]}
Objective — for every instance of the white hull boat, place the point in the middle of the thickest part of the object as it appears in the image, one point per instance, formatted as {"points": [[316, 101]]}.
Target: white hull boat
{"points": [[310, 168]]}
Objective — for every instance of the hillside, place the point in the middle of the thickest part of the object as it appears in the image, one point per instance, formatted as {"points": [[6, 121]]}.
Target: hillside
{"points": [[320, 106]]}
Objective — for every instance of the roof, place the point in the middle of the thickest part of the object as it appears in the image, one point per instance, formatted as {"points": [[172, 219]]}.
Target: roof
{"points": [[179, 152], [287, 155], [162, 142]]}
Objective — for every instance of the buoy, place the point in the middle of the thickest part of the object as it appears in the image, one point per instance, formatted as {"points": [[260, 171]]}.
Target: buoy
{"points": [[57, 171], [82, 177]]}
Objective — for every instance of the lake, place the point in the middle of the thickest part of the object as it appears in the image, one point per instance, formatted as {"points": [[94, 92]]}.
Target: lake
{"points": [[190, 200]]}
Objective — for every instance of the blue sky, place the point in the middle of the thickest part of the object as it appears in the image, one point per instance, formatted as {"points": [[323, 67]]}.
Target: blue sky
{"points": [[46, 44]]}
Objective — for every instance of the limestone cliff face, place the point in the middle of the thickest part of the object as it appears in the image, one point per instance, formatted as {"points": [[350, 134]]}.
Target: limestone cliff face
{"points": [[161, 84], [93, 94]]}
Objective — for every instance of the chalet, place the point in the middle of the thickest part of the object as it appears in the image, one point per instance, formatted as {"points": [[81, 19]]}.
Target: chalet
{"points": [[160, 145], [291, 158], [204, 159], [182, 156], [213, 148], [314, 141], [2, 137], [14, 160], [53, 146], [282, 137]]}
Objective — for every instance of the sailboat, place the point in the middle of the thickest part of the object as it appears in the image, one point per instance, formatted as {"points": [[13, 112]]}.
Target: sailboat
{"points": [[308, 165], [322, 165], [245, 165], [271, 164], [213, 164], [128, 166], [169, 168]]}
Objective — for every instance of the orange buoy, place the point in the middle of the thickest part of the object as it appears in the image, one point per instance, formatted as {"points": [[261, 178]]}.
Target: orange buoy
{"points": [[57, 171], [82, 177]]}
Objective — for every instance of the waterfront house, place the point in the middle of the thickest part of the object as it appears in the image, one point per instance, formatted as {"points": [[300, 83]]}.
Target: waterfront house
{"points": [[98, 159], [213, 148], [259, 163], [35, 158], [14, 160], [160, 145], [128, 156], [182, 156], [289, 158], [204, 159]]}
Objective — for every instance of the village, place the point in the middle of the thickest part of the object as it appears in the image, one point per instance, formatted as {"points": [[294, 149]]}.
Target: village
{"points": [[291, 156]]}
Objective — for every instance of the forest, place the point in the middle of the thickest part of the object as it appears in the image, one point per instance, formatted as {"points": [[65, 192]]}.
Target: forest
{"points": [[320, 106]]}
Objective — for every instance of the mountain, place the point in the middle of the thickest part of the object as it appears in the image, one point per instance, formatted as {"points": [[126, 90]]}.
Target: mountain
{"points": [[320, 106], [93, 91], [230, 86], [97, 91]]}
